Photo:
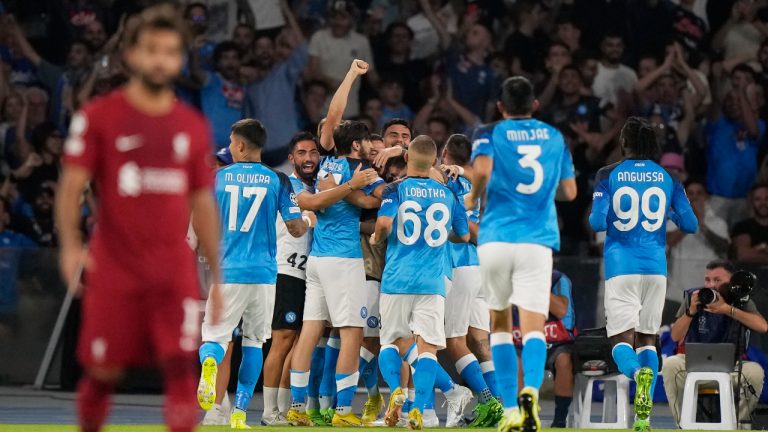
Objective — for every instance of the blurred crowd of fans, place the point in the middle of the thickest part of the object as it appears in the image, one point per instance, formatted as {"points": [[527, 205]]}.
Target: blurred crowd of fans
{"points": [[697, 69]]}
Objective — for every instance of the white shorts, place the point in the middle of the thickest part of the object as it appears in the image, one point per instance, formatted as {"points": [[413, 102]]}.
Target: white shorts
{"points": [[516, 273], [479, 315], [271, 293], [373, 322], [247, 301], [634, 302], [459, 294], [336, 291], [404, 315]]}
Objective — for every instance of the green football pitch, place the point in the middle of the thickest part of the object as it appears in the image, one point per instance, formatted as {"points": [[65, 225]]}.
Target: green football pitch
{"points": [[159, 428]]}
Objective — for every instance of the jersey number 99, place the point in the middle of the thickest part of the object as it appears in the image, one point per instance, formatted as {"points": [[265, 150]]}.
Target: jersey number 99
{"points": [[406, 213], [234, 197], [637, 204]]}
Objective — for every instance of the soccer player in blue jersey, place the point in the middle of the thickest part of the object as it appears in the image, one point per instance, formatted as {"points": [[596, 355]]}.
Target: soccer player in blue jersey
{"points": [[632, 201], [524, 165], [250, 195], [335, 269], [418, 216], [462, 298]]}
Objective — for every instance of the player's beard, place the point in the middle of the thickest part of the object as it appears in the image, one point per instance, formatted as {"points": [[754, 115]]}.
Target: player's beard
{"points": [[154, 85], [307, 177]]}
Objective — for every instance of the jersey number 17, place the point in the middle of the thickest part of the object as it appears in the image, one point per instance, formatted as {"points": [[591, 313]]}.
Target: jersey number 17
{"points": [[234, 198]]}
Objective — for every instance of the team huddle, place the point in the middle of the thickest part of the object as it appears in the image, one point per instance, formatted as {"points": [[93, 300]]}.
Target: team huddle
{"points": [[351, 277]]}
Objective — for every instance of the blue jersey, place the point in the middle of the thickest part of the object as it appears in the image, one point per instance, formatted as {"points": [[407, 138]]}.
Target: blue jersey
{"points": [[423, 212], [464, 254], [249, 196], [337, 233], [632, 201], [530, 159]]}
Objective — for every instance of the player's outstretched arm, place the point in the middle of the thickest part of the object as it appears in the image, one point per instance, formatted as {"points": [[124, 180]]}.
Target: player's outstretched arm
{"points": [[71, 186], [481, 174], [382, 230], [326, 198], [685, 217], [339, 103], [296, 227], [205, 222]]}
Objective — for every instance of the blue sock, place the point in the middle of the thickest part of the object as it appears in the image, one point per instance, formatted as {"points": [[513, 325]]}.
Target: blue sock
{"points": [[211, 349], [470, 372], [505, 359], [371, 377], [534, 359], [431, 401], [424, 379], [410, 395], [346, 384], [389, 364], [316, 371], [367, 361], [489, 374], [626, 359], [328, 383], [647, 356], [250, 369], [299, 384], [442, 380]]}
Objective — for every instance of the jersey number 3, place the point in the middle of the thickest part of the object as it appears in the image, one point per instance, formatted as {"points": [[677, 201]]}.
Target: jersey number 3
{"points": [[404, 214], [629, 218], [530, 154], [234, 198]]}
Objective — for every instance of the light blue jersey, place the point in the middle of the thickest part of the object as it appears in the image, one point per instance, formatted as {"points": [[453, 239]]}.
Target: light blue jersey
{"points": [[632, 201], [250, 196], [423, 212], [337, 233], [530, 159], [464, 254]]}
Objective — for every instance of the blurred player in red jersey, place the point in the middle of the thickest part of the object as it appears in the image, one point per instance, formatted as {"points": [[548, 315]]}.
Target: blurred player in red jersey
{"points": [[147, 157]]}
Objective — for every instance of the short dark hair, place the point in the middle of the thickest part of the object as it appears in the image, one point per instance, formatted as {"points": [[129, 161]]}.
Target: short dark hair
{"points": [[723, 264], [581, 56], [396, 121], [299, 137], [442, 120], [222, 48], [347, 133], [612, 35], [693, 181], [757, 186], [747, 69], [81, 41], [396, 25], [640, 138], [314, 83], [459, 148], [193, 5], [558, 43], [376, 137], [571, 67], [252, 131], [159, 17], [397, 161], [517, 95]]}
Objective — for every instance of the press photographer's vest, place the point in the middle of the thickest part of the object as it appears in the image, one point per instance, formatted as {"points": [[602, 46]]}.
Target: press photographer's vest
{"points": [[707, 327]]}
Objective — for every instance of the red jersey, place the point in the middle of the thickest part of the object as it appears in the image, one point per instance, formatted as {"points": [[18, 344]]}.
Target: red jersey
{"points": [[143, 169]]}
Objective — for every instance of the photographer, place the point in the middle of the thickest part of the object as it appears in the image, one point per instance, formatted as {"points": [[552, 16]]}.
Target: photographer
{"points": [[716, 322]]}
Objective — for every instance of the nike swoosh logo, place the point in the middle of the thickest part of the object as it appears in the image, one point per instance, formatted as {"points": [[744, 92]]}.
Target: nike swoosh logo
{"points": [[128, 143]]}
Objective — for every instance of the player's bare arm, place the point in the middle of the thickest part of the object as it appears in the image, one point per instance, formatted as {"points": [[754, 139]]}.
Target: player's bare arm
{"points": [[382, 230], [328, 197], [205, 222], [339, 103], [72, 184], [566, 190], [482, 167], [297, 227], [360, 199]]}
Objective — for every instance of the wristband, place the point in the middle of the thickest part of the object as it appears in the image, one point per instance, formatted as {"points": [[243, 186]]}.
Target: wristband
{"points": [[307, 220], [688, 314], [732, 311]]}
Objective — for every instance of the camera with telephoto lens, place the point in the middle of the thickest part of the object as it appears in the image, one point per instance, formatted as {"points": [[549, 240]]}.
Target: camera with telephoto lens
{"points": [[736, 293], [707, 296]]}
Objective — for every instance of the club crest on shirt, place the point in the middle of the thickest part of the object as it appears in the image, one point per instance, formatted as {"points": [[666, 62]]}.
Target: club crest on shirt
{"points": [[181, 147]]}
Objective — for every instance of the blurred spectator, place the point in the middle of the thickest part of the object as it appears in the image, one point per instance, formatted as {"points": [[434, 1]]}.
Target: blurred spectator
{"points": [[689, 28], [558, 56], [742, 33], [60, 82], [468, 78], [391, 92], [331, 51], [10, 111], [39, 225], [196, 15], [426, 38], [528, 42], [395, 63], [614, 79], [750, 236], [315, 97], [568, 33], [688, 253], [734, 136], [439, 129], [46, 142], [587, 62], [95, 35], [221, 94], [273, 98], [244, 37], [374, 109], [8, 238]]}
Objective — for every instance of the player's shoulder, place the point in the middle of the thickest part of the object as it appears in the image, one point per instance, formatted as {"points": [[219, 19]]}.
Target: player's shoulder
{"points": [[604, 173], [394, 187], [188, 113], [485, 129], [104, 106], [353, 163], [553, 133]]}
